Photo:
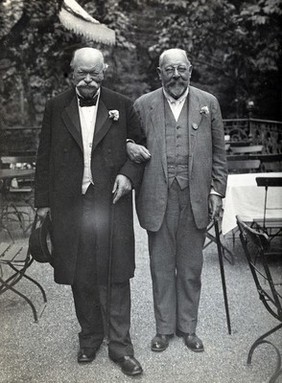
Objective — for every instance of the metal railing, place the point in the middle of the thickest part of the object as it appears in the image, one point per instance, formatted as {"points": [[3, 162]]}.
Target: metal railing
{"points": [[256, 131]]}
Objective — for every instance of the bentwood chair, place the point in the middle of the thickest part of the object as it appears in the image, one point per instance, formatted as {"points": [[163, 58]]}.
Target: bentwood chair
{"points": [[262, 260]]}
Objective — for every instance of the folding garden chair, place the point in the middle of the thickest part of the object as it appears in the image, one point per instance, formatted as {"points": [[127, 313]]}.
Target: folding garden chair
{"points": [[272, 226], [262, 260], [15, 259]]}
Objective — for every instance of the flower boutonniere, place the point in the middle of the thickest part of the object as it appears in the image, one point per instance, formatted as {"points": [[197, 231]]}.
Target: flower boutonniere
{"points": [[114, 115], [204, 110]]}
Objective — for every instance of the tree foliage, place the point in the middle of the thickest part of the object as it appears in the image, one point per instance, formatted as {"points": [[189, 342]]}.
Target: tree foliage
{"points": [[36, 51], [234, 47]]}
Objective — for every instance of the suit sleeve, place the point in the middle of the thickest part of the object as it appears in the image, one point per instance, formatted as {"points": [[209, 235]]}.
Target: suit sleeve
{"points": [[219, 164], [130, 169], [42, 173]]}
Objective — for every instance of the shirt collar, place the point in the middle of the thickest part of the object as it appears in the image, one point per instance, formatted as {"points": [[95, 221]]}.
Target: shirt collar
{"points": [[173, 100]]}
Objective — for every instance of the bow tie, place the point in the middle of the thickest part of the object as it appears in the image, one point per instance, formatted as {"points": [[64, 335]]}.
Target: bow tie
{"points": [[87, 101]]}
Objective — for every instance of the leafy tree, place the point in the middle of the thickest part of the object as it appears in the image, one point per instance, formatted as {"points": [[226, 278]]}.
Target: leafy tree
{"points": [[234, 47], [27, 39], [36, 50]]}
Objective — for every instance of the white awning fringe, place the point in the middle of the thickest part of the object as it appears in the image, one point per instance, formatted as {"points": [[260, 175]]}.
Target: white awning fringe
{"points": [[76, 19]]}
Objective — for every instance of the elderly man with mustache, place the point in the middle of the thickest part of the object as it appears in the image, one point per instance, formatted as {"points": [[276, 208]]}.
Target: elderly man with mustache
{"points": [[181, 190], [82, 172]]}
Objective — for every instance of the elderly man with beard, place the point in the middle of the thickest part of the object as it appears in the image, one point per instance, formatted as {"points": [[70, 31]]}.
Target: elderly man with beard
{"points": [[82, 172], [181, 190]]}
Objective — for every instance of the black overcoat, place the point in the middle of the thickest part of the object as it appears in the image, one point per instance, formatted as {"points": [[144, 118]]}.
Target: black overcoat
{"points": [[58, 181]]}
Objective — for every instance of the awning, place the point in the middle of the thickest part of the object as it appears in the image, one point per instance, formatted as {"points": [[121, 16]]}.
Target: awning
{"points": [[76, 19]]}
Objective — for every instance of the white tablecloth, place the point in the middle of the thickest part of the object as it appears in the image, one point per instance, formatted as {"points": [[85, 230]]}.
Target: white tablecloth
{"points": [[245, 198]]}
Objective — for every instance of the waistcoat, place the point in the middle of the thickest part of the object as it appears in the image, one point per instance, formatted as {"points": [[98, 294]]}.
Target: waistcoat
{"points": [[177, 145]]}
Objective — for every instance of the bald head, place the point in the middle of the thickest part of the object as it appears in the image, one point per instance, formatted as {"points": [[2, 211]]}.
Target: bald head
{"points": [[173, 54], [86, 55], [88, 71]]}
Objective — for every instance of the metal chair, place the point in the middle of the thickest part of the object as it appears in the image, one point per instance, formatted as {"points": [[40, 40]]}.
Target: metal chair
{"points": [[259, 255], [272, 226], [15, 259], [3, 227], [18, 192]]}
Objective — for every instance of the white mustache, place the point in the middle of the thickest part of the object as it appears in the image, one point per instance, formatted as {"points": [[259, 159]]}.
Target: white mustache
{"points": [[92, 84], [177, 82]]}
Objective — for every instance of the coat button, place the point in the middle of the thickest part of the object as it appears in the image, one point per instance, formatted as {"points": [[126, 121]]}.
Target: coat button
{"points": [[65, 150]]}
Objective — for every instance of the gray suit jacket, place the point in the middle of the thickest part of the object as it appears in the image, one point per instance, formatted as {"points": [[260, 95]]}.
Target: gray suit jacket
{"points": [[207, 159]]}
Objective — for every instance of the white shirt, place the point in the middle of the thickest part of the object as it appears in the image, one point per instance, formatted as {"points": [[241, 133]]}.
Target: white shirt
{"points": [[87, 115], [176, 105]]}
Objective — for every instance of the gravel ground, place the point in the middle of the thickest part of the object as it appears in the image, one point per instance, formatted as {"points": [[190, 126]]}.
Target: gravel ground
{"points": [[45, 352]]}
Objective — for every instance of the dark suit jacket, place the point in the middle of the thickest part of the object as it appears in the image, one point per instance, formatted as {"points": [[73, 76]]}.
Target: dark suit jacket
{"points": [[59, 173], [207, 159]]}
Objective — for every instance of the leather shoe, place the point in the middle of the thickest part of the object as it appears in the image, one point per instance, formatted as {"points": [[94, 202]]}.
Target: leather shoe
{"points": [[160, 342], [129, 365], [86, 355], [193, 342]]}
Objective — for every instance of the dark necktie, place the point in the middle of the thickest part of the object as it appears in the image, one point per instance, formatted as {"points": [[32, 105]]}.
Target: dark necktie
{"points": [[87, 101]]}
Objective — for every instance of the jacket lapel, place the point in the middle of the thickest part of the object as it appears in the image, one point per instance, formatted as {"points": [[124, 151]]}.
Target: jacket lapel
{"points": [[70, 117], [158, 123], [103, 122], [194, 120]]}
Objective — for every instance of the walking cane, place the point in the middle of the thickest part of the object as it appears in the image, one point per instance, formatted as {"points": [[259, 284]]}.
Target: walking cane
{"points": [[219, 248], [109, 287]]}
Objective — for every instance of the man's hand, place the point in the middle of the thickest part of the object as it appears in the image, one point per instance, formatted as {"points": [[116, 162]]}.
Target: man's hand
{"points": [[215, 206], [42, 212], [121, 187], [137, 153]]}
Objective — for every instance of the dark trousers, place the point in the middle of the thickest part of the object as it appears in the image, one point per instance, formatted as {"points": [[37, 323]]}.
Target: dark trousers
{"points": [[176, 261], [90, 298]]}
